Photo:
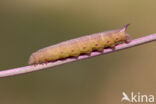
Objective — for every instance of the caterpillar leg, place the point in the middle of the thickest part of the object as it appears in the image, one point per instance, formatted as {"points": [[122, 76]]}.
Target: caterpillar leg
{"points": [[88, 54], [100, 49], [75, 56], [112, 47], [35, 64], [45, 63], [128, 39]]}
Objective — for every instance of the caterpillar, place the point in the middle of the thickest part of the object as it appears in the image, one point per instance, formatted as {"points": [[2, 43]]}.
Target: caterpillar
{"points": [[82, 45]]}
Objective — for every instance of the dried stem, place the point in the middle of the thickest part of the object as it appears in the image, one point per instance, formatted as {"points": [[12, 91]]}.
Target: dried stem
{"points": [[32, 68]]}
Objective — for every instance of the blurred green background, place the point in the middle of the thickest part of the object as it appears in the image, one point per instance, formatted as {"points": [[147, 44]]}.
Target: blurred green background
{"points": [[28, 25]]}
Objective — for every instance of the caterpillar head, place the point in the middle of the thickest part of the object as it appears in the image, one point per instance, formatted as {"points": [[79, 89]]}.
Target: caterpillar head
{"points": [[33, 59]]}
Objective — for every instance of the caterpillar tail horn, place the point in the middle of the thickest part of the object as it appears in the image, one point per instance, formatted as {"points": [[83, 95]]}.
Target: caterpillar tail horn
{"points": [[125, 28]]}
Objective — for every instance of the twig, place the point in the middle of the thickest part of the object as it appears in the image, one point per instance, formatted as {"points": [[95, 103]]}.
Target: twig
{"points": [[32, 68]]}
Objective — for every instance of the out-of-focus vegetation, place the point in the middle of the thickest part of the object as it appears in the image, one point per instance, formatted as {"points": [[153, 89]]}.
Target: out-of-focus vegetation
{"points": [[28, 25]]}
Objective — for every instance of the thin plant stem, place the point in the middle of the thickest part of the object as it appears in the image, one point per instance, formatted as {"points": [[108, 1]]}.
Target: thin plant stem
{"points": [[32, 68]]}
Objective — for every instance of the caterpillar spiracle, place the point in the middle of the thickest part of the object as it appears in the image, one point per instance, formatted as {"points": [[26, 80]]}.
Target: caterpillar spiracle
{"points": [[82, 45]]}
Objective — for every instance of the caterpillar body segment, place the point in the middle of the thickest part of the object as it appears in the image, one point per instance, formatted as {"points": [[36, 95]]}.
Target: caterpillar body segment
{"points": [[83, 45]]}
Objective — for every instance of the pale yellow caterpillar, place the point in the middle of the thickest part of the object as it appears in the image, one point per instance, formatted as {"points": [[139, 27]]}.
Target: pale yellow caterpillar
{"points": [[83, 45]]}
